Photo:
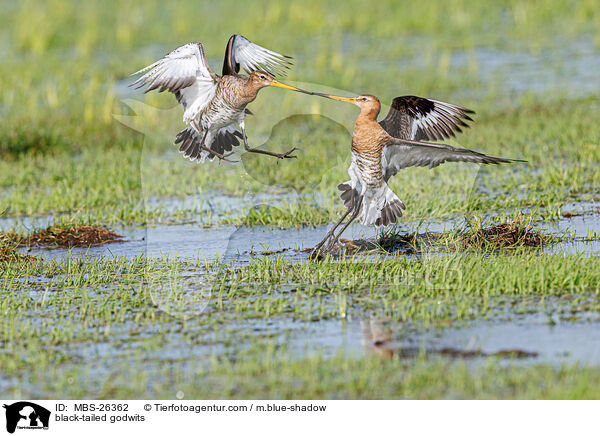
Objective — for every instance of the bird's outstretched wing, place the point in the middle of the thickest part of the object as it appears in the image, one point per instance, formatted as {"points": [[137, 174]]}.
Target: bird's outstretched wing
{"points": [[402, 153], [251, 57], [177, 70], [419, 118], [184, 72]]}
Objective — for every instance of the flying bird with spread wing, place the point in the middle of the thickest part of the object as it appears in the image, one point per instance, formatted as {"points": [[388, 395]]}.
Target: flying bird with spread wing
{"points": [[214, 107], [381, 150]]}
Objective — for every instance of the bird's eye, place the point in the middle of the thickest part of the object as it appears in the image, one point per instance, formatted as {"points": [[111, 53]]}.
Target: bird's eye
{"points": [[262, 76], [364, 99]]}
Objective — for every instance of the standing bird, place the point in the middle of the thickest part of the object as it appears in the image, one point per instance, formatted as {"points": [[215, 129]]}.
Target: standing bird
{"points": [[381, 150], [215, 106]]}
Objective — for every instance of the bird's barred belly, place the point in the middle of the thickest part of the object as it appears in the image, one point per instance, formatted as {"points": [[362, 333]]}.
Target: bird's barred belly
{"points": [[368, 167], [219, 114]]}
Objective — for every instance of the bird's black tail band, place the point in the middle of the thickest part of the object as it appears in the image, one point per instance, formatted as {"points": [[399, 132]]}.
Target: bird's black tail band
{"points": [[191, 144]]}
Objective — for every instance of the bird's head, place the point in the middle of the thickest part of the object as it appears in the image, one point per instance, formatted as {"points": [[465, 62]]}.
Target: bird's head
{"points": [[261, 79]]}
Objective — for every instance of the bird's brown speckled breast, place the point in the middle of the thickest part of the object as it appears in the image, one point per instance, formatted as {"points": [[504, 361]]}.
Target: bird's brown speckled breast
{"points": [[227, 106], [368, 141], [235, 91]]}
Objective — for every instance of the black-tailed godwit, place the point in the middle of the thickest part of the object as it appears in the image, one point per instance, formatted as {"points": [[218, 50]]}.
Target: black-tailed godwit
{"points": [[381, 150], [215, 106]]}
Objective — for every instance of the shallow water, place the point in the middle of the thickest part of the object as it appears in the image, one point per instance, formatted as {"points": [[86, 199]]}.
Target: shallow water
{"points": [[242, 244], [566, 69], [538, 338], [582, 227], [188, 242], [534, 336], [26, 224]]}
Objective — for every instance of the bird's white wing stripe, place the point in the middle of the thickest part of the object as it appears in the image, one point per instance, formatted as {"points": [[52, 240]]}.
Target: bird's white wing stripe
{"points": [[185, 73], [442, 118], [230, 129], [413, 129], [252, 57], [430, 120]]}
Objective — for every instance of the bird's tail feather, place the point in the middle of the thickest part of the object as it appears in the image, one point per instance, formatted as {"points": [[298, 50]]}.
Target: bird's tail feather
{"points": [[348, 195], [191, 143], [382, 208]]}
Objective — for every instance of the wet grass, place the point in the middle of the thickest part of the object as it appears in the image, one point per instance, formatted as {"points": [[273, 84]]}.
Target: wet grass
{"points": [[66, 237], [106, 327], [267, 375], [476, 234], [9, 252], [111, 186], [63, 151]]}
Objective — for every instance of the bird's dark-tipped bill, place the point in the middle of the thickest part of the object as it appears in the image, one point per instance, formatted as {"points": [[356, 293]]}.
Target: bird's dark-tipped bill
{"points": [[291, 88], [350, 100]]}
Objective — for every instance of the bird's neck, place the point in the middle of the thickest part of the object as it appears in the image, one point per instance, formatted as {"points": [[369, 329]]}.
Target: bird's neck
{"points": [[237, 90], [369, 114], [249, 91], [368, 136], [367, 118]]}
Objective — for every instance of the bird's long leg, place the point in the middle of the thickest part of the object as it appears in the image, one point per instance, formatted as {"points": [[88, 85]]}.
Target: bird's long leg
{"points": [[286, 155], [315, 251], [352, 218]]}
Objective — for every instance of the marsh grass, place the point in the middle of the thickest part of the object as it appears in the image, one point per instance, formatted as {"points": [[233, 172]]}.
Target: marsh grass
{"points": [[20, 141], [519, 232], [64, 236], [475, 235], [267, 373], [9, 252], [111, 186], [73, 306]]}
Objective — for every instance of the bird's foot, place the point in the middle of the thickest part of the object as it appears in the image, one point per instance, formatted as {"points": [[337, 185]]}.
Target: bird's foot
{"points": [[322, 250], [224, 156], [318, 251], [316, 254], [288, 154]]}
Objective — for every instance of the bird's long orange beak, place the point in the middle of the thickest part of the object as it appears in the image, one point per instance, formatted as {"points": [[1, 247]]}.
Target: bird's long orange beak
{"points": [[350, 100], [291, 88]]}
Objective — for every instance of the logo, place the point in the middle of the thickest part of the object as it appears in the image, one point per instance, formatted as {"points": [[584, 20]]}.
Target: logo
{"points": [[26, 415]]}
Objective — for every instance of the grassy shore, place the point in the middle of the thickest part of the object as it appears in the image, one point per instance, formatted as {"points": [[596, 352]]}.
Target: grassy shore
{"points": [[65, 152], [104, 319], [111, 186]]}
